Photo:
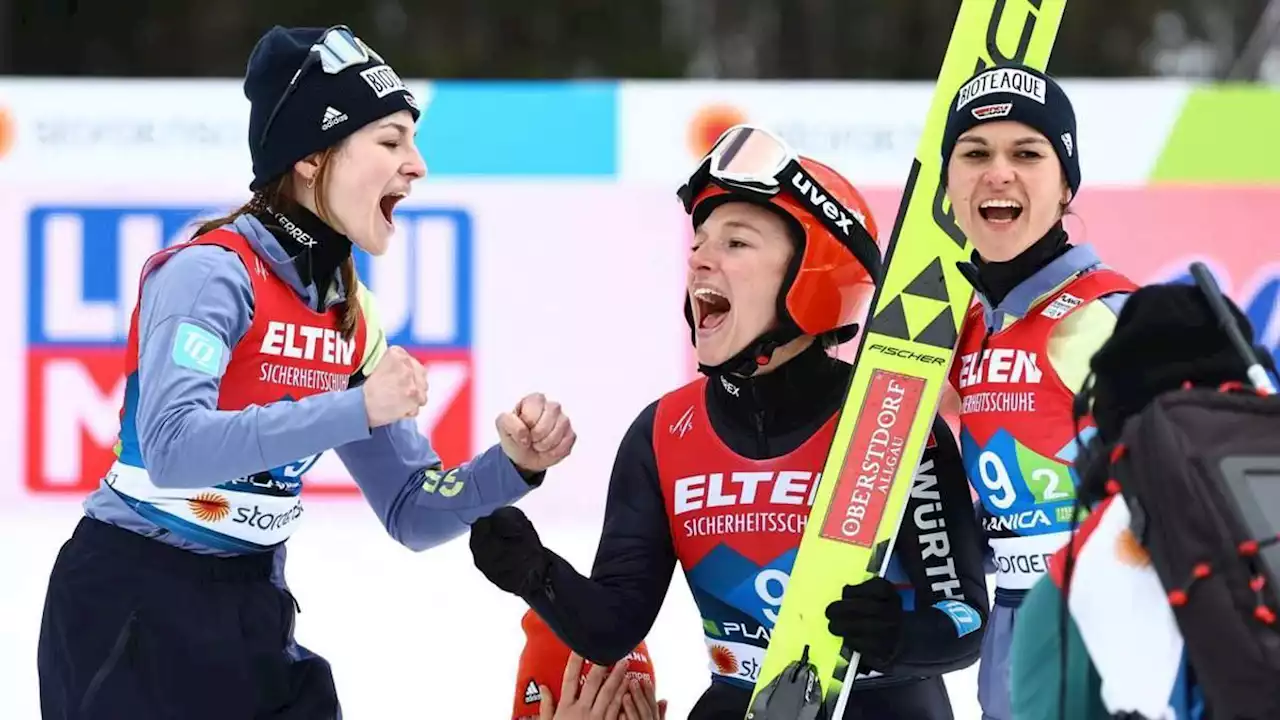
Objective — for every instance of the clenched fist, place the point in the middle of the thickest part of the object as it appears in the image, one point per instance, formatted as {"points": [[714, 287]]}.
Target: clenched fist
{"points": [[396, 389], [536, 434]]}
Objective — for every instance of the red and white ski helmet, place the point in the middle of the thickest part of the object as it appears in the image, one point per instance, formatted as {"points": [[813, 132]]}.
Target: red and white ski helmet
{"points": [[828, 285]]}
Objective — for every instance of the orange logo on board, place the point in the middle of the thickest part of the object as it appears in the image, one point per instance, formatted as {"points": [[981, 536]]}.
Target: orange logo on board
{"points": [[8, 131], [709, 123]]}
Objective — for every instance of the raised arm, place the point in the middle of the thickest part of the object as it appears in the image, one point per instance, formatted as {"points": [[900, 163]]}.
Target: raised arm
{"points": [[419, 501]]}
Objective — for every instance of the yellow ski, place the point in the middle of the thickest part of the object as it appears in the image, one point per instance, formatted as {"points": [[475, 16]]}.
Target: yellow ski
{"points": [[902, 364]]}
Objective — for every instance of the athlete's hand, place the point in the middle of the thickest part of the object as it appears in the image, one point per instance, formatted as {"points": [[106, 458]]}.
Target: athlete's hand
{"points": [[536, 434], [599, 698], [641, 703], [506, 549], [396, 389], [869, 617]]}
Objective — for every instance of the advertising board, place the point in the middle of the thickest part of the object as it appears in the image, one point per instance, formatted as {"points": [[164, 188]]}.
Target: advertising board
{"points": [[547, 259]]}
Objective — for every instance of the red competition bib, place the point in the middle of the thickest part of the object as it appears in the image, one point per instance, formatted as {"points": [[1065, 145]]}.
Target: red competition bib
{"points": [[1017, 433], [736, 524], [288, 352]]}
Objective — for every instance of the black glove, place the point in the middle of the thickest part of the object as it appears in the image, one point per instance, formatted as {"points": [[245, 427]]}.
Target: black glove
{"points": [[506, 548], [869, 618]]}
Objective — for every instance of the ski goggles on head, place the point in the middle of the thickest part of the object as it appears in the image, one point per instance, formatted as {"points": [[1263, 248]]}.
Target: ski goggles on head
{"points": [[751, 161], [337, 49]]}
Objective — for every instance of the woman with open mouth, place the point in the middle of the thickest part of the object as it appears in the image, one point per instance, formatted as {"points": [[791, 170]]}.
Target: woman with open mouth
{"points": [[1011, 167], [254, 349], [718, 476]]}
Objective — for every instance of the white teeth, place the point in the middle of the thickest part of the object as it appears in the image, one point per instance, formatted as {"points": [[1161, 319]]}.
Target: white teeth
{"points": [[708, 292], [1000, 202]]}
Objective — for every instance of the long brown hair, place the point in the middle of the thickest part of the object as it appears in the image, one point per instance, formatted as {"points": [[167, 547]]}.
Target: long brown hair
{"points": [[280, 196]]}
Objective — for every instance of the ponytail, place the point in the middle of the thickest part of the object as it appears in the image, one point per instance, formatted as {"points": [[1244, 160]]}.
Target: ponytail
{"points": [[351, 307]]}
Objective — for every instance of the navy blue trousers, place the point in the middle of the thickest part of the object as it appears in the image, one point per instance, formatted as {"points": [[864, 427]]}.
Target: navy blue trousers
{"points": [[133, 628]]}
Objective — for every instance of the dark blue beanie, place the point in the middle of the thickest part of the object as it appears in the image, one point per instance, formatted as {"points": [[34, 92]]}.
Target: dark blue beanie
{"points": [[322, 110], [1021, 94]]}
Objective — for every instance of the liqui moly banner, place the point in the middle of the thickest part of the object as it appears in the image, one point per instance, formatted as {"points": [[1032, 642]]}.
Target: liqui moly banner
{"points": [[559, 270]]}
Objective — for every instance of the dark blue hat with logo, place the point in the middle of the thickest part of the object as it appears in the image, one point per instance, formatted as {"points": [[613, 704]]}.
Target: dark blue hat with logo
{"points": [[1022, 94], [308, 89]]}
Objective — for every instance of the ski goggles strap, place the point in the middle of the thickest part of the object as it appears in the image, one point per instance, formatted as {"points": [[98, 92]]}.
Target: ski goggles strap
{"points": [[753, 161], [337, 49]]}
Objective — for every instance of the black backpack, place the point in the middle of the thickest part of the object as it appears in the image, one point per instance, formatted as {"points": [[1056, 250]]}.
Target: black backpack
{"points": [[1199, 469]]}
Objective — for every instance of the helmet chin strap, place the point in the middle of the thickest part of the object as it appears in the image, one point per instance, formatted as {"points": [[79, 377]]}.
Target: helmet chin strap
{"points": [[755, 355], [758, 353]]}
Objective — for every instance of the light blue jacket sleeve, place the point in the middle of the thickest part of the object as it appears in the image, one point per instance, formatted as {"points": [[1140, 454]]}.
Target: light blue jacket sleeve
{"points": [[194, 308], [419, 501]]}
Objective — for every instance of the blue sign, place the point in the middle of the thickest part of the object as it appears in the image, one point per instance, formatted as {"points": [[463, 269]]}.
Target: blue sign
{"points": [[519, 128], [84, 262]]}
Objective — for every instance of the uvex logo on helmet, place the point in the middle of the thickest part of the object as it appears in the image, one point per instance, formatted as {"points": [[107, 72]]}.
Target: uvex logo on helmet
{"points": [[824, 205]]}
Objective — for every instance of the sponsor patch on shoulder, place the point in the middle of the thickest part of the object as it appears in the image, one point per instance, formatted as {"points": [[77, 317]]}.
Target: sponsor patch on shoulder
{"points": [[966, 619], [197, 349]]}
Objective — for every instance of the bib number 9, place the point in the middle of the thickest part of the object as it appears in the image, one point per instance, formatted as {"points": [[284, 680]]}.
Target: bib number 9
{"points": [[996, 479], [771, 585]]}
